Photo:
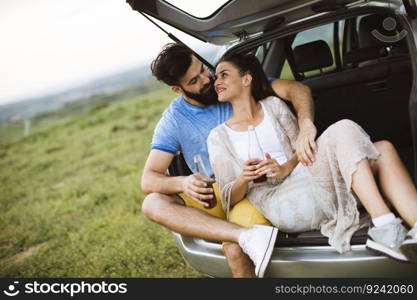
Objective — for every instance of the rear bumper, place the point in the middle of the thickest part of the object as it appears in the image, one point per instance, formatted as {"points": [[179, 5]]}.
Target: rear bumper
{"points": [[313, 261]]}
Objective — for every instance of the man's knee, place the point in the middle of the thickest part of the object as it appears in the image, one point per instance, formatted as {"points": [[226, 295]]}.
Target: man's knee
{"points": [[155, 204]]}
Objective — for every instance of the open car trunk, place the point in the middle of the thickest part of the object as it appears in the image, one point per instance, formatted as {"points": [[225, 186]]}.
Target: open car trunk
{"points": [[372, 89]]}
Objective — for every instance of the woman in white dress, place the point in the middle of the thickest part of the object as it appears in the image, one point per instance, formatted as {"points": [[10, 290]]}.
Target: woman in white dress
{"points": [[322, 196]]}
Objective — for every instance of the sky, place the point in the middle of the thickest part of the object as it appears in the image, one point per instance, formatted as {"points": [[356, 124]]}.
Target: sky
{"points": [[48, 45]]}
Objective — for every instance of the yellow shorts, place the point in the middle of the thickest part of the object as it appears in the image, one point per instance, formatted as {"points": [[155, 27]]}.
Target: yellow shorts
{"points": [[243, 213]]}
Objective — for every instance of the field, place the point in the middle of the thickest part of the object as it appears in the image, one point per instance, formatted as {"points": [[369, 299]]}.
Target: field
{"points": [[70, 198]]}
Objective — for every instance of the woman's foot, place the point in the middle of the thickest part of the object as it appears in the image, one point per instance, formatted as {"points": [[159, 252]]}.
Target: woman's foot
{"points": [[387, 239], [409, 246]]}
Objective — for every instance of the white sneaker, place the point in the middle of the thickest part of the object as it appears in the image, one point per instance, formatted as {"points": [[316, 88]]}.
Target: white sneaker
{"points": [[258, 242], [409, 246], [387, 239]]}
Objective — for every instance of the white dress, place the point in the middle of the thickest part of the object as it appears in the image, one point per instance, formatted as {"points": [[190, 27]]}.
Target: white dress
{"points": [[311, 197], [304, 208]]}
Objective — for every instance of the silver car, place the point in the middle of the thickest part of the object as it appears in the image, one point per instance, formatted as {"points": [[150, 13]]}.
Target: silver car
{"points": [[359, 57]]}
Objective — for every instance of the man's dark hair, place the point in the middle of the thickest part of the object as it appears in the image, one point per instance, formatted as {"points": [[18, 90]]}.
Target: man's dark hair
{"points": [[172, 63], [248, 63]]}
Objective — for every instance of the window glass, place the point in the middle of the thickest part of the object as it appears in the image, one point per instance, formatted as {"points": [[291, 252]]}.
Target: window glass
{"points": [[325, 33], [201, 10], [286, 72], [261, 51]]}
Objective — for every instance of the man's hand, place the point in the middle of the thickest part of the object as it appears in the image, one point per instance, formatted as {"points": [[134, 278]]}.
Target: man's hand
{"points": [[271, 168], [301, 97], [305, 144], [195, 187]]}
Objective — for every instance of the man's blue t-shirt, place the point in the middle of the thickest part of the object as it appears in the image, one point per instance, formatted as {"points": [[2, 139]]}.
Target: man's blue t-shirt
{"points": [[185, 127]]}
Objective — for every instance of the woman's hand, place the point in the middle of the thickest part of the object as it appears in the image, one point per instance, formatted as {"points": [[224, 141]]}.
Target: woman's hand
{"points": [[272, 168], [241, 185], [249, 170]]}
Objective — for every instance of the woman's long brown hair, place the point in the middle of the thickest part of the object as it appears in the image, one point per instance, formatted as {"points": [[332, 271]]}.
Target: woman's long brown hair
{"points": [[248, 63]]}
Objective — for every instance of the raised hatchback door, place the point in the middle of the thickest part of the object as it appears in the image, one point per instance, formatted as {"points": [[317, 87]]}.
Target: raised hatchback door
{"points": [[236, 19]]}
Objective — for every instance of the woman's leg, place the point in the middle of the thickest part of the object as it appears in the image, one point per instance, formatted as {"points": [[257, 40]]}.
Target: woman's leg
{"points": [[395, 182], [365, 187], [398, 188], [350, 151]]}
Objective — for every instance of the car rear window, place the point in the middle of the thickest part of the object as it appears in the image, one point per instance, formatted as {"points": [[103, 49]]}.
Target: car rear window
{"points": [[203, 9]]}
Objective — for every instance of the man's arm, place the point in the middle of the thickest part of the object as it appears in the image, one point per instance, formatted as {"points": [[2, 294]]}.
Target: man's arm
{"points": [[300, 96], [154, 179]]}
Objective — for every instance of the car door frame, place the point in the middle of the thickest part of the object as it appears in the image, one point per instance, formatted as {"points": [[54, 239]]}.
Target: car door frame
{"points": [[411, 8]]}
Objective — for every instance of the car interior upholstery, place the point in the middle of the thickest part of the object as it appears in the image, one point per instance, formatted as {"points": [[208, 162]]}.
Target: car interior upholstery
{"points": [[373, 89]]}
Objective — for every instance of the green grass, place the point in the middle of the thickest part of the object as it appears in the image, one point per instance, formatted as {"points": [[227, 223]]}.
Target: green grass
{"points": [[70, 199]]}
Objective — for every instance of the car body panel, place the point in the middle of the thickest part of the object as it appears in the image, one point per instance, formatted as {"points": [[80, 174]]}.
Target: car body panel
{"points": [[309, 261]]}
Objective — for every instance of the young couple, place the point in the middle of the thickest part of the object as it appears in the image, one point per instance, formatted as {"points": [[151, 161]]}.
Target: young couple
{"points": [[320, 193]]}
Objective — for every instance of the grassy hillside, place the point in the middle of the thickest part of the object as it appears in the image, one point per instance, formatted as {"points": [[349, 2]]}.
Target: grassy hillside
{"points": [[70, 199]]}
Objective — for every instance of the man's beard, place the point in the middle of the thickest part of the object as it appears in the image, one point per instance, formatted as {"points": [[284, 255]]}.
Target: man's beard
{"points": [[207, 95]]}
